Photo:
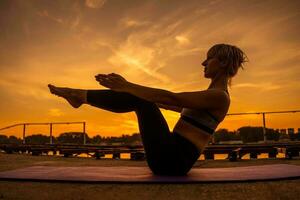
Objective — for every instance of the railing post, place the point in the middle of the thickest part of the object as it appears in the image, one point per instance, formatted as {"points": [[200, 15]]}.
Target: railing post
{"points": [[51, 141], [24, 130], [84, 138], [264, 128]]}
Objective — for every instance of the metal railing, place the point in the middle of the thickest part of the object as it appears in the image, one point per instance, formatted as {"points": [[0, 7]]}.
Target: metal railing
{"points": [[50, 128], [84, 123]]}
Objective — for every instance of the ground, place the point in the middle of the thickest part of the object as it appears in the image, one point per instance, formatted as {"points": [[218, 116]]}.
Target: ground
{"points": [[288, 189]]}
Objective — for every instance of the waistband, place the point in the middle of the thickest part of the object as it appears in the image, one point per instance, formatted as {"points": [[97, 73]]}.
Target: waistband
{"points": [[198, 124]]}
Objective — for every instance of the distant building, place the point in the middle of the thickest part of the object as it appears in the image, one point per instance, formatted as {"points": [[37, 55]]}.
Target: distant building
{"points": [[291, 131]]}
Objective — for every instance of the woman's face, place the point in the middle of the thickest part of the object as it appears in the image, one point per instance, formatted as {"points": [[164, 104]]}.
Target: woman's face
{"points": [[211, 66]]}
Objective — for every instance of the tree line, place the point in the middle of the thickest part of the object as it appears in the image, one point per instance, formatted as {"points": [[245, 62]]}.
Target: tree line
{"points": [[248, 134], [72, 138], [245, 134]]}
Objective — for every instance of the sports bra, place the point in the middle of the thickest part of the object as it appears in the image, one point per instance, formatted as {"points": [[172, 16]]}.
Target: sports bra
{"points": [[201, 119]]}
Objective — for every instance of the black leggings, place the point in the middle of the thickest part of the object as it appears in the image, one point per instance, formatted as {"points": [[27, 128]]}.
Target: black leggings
{"points": [[166, 153]]}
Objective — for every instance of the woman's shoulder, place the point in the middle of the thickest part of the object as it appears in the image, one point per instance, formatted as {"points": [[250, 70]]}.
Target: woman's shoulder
{"points": [[218, 90], [224, 94], [204, 99]]}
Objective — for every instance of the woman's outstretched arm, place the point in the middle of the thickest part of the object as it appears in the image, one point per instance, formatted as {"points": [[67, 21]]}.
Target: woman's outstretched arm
{"points": [[118, 83], [155, 95], [204, 99], [213, 98]]}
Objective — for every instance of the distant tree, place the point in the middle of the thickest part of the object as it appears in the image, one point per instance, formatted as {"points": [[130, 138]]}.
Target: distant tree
{"points": [[272, 134], [123, 139], [37, 139], [113, 139], [72, 137], [14, 140], [3, 139], [250, 134], [135, 137], [97, 139], [225, 135], [132, 139], [221, 135], [10, 140]]}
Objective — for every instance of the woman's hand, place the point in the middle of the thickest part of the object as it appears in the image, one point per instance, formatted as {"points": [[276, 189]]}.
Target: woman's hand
{"points": [[113, 81]]}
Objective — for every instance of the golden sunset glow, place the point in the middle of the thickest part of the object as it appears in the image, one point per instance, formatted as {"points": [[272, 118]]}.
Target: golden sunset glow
{"points": [[158, 44]]}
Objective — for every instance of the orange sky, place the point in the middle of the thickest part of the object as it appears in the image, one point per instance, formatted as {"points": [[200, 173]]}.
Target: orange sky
{"points": [[153, 43]]}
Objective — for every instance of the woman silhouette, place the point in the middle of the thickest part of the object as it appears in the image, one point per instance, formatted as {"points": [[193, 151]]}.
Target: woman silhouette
{"points": [[168, 153]]}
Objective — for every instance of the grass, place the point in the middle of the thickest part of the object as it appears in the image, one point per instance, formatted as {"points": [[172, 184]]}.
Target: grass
{"points": [[288, 189]]}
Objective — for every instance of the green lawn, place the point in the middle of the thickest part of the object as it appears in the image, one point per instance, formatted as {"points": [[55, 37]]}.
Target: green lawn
{"points": [[289, 189]]}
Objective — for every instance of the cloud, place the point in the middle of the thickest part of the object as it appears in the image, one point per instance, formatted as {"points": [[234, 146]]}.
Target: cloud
{"points": [[136, 58], [74, 24], [127, 22], [150, 48], [24, 88], [95, 3], [152, 42], [131, 124], [55, 112], [45, 13], [260, 86], [182, 40]]}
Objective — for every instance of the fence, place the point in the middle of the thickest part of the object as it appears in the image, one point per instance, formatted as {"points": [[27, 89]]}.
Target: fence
{"points": [[84, 124], [50, 128]]}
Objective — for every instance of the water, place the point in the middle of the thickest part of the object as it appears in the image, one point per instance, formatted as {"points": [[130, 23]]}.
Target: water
{"points": [[245, 157], [126, 156]]}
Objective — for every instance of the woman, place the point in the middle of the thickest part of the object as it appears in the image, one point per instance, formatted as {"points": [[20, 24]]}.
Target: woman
{"points": [[168, 153]]}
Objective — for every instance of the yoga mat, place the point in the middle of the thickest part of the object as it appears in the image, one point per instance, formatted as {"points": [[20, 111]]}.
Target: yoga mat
{"points": [[124, 174]]}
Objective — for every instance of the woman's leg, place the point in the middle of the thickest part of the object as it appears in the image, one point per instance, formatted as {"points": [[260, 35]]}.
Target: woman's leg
{"points": [[166, 153], [159, 144], [118, 102]]}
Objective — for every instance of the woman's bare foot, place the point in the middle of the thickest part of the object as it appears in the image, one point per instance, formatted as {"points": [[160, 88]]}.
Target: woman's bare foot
{"points": [[73, 96]]}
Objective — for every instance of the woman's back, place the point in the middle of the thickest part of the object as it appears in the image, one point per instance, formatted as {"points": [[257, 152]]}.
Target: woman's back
{"points": [[198, 126]]}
